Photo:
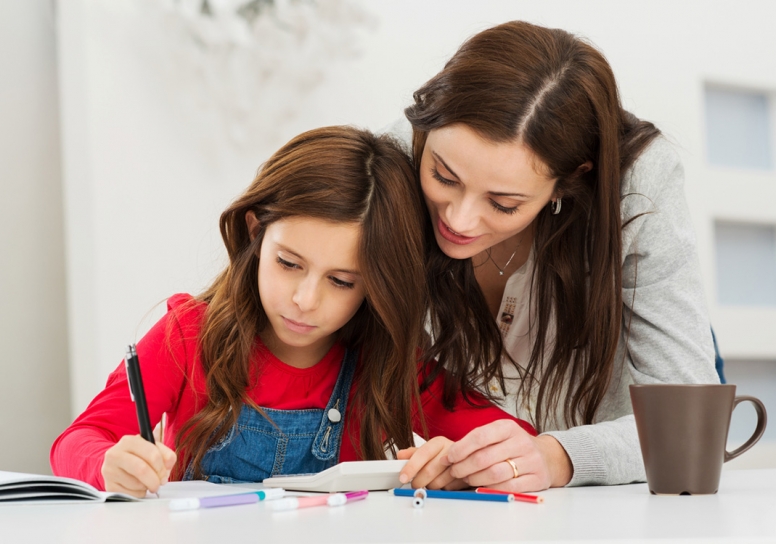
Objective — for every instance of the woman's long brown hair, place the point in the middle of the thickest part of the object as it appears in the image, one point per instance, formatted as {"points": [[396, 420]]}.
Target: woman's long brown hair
{"points": [[557, 95], [343, 175]]}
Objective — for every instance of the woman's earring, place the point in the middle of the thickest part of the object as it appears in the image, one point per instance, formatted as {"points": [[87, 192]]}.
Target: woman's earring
{"points": [[555, 206]]}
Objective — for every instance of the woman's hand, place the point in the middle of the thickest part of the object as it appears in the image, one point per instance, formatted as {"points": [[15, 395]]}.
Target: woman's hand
{"points": [[428, 466], [134, 466], [480, 459]]}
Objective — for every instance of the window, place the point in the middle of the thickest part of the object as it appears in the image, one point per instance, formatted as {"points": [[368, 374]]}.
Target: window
{"points": [[746, 263], [738, 128]]}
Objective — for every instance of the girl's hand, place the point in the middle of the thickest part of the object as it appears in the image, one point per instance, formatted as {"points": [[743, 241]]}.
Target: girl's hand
{"points": [[480, 459], [427, 466], [134, 466]]}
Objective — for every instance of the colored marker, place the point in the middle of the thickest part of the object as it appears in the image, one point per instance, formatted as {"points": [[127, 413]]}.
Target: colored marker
{"points": [[419, 497], [334, 499], [459, 495], [226, 500], [525, 497], [339, 499]]}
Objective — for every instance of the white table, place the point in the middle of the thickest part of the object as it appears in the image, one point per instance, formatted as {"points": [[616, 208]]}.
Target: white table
{"points": [[744, 510]]}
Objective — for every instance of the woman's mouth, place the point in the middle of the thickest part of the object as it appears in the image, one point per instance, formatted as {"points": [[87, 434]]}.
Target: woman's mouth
{"points": [[451, 236]]}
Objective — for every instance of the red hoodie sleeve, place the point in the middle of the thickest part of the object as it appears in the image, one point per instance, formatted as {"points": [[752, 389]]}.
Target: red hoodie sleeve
{"points": [[463, 418], [78, 452]]}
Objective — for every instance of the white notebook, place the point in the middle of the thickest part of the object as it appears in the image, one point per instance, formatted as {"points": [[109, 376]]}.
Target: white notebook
{"points": [[21, 487], [18, 487]]}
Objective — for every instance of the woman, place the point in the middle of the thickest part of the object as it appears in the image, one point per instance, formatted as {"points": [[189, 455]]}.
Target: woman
{"points": [[565, 265]]}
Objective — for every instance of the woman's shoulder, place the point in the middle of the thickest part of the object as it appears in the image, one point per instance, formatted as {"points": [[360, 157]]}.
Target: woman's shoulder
{"points": [[657, 166]]}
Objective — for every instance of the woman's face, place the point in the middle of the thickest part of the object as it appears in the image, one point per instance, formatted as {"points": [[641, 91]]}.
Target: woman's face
{"points": [[480, 193]]}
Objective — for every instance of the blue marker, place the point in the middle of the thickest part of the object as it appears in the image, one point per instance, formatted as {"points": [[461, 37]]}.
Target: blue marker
{"points": [[459, 495]]}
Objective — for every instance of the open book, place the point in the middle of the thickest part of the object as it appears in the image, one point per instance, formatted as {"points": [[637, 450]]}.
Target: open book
{"points": [[18, 487]]}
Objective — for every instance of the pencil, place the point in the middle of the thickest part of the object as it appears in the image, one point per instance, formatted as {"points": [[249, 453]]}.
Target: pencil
{"points": [[525, 497]]}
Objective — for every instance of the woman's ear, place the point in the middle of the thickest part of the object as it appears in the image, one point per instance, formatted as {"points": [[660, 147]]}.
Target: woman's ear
{"points": [[583, 168], [252, 222]]}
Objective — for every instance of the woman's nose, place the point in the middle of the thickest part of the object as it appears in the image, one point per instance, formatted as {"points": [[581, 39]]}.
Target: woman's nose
{"points": [[462, 215]]}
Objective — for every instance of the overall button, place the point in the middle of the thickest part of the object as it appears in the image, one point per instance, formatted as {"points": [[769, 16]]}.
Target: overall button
{"points": [[334, 415]]}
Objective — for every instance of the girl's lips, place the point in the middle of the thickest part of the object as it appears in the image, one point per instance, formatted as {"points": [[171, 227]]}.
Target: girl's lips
{"points": [[452, 236], [296, 326]]}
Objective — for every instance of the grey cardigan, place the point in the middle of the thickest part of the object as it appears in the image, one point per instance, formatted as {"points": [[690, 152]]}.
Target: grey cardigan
{"points": [[663, 300]]}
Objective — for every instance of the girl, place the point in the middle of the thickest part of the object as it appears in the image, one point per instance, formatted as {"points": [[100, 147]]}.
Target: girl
{"points": [[563, 259], [303, 352]]}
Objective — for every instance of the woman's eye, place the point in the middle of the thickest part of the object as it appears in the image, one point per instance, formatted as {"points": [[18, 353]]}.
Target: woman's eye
{"points": [[503, 209], [286, 264], [437, 176], [341, 284]]}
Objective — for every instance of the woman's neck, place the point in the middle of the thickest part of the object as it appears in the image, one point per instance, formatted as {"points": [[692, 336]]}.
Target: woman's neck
{"points": [[494, 266]]}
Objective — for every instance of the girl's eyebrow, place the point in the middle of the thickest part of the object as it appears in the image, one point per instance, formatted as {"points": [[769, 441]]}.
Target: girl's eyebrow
{"points": [[295, 254], [494, 193]]}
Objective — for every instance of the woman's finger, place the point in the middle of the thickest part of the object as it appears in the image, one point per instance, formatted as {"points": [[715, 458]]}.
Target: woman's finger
{"points": [[492, 433], [513, 448]]}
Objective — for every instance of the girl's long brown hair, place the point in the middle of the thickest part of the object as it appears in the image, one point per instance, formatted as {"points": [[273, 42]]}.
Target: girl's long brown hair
{"points": [[344, 175], [557, 95]]}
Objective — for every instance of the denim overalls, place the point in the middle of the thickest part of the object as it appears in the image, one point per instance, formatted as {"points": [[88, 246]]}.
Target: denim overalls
{"points": [[304, 441]]}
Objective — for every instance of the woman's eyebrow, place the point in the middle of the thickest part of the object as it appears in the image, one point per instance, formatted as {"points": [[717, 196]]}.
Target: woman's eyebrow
{"points": [[440, 159], [518, 195], [494, 193]]}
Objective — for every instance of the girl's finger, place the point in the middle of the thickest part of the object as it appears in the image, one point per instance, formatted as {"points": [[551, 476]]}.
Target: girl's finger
{"points": [[405, 454], [168, 456], [141, 470], [150, 453], [420, 458]]}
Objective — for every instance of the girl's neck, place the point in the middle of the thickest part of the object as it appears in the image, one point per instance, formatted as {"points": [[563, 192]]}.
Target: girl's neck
{"points": [[296, 356]]}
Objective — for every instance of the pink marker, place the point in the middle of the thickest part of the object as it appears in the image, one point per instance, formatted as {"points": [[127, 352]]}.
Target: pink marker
{"points": [[335, 499]]}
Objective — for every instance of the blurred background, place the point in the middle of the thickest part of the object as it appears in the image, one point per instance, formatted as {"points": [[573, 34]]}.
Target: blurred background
{"points": [[127, 126]]}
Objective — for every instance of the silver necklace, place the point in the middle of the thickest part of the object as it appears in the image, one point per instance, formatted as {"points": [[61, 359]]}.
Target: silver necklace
{"points": [[501, 270]]}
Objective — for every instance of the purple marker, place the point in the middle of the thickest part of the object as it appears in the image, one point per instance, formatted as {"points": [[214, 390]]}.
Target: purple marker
{"points": [[226, 500]]}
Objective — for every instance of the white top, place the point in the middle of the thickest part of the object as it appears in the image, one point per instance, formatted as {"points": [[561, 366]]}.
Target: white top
{"points": [[670, 335]]}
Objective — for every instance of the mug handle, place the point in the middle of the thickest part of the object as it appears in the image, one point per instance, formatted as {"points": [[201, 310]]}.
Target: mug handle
{"points": [[762, 419]]}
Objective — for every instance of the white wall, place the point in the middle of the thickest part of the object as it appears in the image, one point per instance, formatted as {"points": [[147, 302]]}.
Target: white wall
{"points": [[152, 153], [34, 393]]}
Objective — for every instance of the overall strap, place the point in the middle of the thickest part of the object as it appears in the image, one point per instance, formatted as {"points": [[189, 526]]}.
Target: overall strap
{"points": [[327, 441]]}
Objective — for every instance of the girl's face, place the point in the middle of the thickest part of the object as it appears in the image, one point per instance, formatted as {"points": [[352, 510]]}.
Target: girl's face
{"points": [[309, 284], [480, 193]]}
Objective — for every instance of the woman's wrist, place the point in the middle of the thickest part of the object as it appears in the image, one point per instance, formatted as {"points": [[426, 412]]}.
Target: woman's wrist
{"points": [[557, 460]]}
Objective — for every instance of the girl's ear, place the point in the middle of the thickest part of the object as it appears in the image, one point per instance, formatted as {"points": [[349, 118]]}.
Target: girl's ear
{"points": [[252, 222]]}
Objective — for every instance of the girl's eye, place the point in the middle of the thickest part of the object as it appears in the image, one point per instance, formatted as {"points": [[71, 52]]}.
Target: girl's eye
{"points": [[437, 176], [286, 264], [503, 209], [341, 284]]}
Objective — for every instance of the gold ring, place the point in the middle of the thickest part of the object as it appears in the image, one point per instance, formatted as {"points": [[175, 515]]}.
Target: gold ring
{"points": [[514, 468]]}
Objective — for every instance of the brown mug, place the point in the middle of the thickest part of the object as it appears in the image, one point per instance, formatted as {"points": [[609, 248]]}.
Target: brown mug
{"points": [[683, 432]]}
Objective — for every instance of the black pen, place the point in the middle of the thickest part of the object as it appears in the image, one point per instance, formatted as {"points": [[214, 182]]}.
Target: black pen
{"points": [[137, 393]]}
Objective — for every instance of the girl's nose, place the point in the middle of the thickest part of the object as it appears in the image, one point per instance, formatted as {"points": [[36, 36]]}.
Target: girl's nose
{"points": [[306, 295]]}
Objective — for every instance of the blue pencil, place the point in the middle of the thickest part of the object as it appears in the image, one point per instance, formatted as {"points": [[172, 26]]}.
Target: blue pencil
{"points": [[460, 495]]}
